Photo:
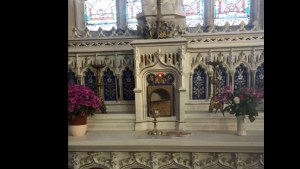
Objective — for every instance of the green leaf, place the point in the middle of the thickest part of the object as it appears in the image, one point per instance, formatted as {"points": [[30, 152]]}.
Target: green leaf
{"points": [[251, 118]]}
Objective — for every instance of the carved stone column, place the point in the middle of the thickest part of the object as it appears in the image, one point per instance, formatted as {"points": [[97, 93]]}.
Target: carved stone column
{"points": [[208, 13], [79, 14]]}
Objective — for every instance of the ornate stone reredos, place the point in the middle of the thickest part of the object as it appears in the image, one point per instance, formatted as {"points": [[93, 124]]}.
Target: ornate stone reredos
{"points": [[167, 29], [173, 25]]}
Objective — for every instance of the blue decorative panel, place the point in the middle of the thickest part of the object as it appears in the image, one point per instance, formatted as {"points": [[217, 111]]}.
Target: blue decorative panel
{"points": [[128, 84], [259, 76], [221, 79], [109, 81], [90, 80], [71, 77], [160, 79], [199, 83], [240, 77]]}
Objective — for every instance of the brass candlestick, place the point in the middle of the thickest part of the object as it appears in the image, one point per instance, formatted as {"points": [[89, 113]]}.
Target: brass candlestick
{"points": [[155, 114], [98, 67], [214, 103]]}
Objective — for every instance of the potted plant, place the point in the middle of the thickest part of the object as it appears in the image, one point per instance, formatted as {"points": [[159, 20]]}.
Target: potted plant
{"points": [[242, 103], [82, 102]]}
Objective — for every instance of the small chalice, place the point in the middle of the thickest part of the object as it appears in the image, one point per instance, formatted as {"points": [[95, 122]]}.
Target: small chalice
{"points": [[155, 114]]}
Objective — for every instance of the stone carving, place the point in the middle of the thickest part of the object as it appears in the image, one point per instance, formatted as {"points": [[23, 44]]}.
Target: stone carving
{"points": [[242, 26], [98, 44], [227, 39], [152, 160], [212, 29], [255, 26], [114, 160], [113, 32], [226, 27], [168, 59], [174, 160], [135, 160], [230, 59], [100, 32], [168, 29], [200, 59], [126, 61]]}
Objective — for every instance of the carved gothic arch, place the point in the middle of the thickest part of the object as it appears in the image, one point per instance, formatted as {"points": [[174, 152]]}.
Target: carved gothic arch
{"points": [[205, 67], [259, 64], [237, 64]]}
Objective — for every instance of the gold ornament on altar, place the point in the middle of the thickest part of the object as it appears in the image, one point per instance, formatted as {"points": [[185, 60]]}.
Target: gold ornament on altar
{"points": [[99, 67], [214, 103], [155, 131]]}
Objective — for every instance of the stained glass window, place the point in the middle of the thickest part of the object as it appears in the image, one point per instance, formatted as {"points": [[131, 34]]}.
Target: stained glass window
{"points": [[240, 77], [71, 77], [109, 81], [199, 83], [194, 10], [100, 13], [128, 84], [259, 77], [90, 80], [133, 7], [221, 79], [232, 11]]}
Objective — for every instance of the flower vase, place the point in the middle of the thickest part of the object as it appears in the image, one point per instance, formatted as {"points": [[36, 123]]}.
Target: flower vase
{"points": [[78, 126], [241, 130]]}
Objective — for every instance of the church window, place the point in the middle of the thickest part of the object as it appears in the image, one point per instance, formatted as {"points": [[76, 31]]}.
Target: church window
{"points": [[133, 8], [111, 13], [194, 10], [232, 11], [100, 13]]}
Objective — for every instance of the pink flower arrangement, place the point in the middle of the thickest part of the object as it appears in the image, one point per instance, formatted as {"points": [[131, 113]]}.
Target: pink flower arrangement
{"points": [[243, 102], [81, 101]]}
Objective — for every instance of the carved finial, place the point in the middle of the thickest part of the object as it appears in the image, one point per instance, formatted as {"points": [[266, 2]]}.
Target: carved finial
{"points": [[212, 29], [242, 26], [100, 32], [198, 28], [76, 33], [87, 33], [127, 33], [226, 27], [113, 32], [255, 26]]}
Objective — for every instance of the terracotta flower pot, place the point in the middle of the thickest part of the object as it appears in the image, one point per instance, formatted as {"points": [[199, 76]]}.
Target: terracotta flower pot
{"points": [[78, 126]]}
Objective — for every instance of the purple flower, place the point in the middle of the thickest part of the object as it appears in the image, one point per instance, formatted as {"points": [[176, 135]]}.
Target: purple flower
{"points": [[82, 100]]}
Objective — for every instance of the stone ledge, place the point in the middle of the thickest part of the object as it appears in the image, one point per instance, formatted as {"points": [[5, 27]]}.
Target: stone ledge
{"points": [[199, 141]]}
